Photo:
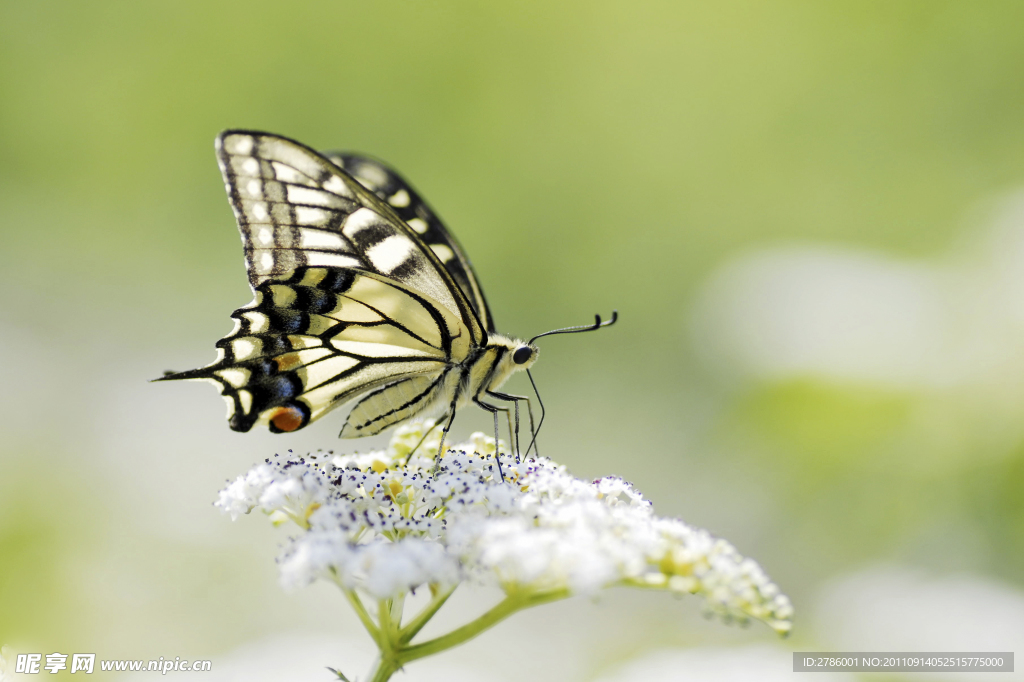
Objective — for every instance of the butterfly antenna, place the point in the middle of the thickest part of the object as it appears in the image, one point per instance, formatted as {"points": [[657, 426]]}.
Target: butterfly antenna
{"points": [[565, 330], [581, 328]]}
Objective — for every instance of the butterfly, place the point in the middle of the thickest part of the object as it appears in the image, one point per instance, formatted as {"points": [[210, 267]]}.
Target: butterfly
{"points": [[361, 297]]}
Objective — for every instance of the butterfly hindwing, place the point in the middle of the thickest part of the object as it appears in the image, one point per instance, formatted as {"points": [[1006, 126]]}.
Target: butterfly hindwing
{"points": [[407, 203], [325, 336], [296, 208], [396, 402]]}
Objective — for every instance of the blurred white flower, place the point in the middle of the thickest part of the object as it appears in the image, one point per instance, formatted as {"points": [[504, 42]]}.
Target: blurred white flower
{"points": [[388, 523], [851, 314], [816, 310], [889, 608], [385, 526], [6, 667]]}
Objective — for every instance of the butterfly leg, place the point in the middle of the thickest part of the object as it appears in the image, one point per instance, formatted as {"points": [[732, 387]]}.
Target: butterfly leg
{"points": [[444, 434], [425, 435], [529, 411], [513, 432], [494, 410]]}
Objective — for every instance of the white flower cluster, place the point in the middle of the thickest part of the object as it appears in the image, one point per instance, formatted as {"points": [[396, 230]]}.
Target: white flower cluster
{"points": [[385, 525]]}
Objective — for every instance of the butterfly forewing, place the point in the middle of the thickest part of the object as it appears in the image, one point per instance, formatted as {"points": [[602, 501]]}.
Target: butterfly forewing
{"points": [[393, 189], [295, 208]]}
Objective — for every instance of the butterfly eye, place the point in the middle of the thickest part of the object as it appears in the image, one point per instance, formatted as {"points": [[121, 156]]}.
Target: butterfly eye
{"points": [[522, 355]]}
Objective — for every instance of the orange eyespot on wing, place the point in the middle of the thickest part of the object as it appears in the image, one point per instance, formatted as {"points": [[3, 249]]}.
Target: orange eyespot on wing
{"points": [[287, 418], [288, 361]]}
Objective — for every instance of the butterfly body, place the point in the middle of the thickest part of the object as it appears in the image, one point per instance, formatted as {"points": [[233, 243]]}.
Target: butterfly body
{"points": [[361, 297]]}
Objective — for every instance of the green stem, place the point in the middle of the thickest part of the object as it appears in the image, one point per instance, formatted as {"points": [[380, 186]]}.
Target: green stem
{"points": [[406, 634], [392, 639], [503, 610], [384, 617], [388, 661], [364, 617], [397, 610], [383, 669]]}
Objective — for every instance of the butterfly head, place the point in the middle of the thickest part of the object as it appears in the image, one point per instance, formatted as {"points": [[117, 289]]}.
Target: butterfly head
{"points": [[524, 356], [515, 354]]}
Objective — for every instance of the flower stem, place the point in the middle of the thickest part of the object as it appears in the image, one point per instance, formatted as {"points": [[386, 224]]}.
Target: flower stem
{"points": [[383, 669], [424, 616], [384, 618], [388, 661], [392, 640], [504, 609], [364, 617]]}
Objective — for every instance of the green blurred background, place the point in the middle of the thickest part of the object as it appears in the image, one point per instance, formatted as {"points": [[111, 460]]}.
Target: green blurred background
{"points": [[806, 214]]}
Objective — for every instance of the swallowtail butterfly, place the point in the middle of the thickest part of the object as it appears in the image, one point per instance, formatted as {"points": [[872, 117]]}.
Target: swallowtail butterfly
{"points": [[361, 296]]}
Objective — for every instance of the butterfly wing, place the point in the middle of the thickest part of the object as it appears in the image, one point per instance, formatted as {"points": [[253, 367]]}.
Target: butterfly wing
{"points": [[393, 189], [296, 208], [326, 336], [349, 300]]}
